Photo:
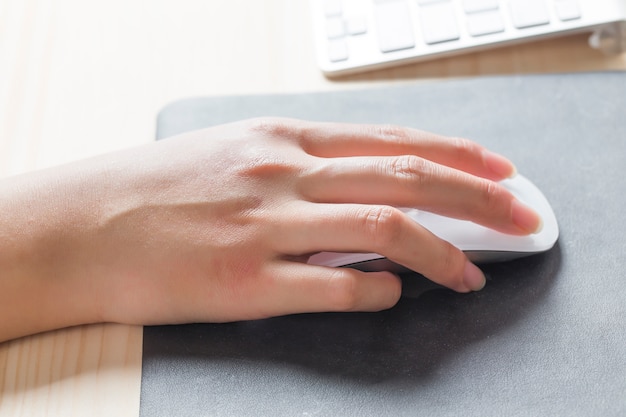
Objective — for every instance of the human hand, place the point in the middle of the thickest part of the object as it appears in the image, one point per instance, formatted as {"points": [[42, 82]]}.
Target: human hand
{"points": [[217, 225]]}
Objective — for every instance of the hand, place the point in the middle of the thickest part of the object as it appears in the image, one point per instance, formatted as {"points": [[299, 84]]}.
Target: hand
{"points": [[217, 225]]}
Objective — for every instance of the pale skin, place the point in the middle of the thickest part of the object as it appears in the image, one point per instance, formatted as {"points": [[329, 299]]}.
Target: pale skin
{"points": [[217, 225]]}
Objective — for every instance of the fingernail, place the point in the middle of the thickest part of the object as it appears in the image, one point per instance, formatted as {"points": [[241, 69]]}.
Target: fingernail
{"points": [[473, 277], [499, 165], [526, 218]]}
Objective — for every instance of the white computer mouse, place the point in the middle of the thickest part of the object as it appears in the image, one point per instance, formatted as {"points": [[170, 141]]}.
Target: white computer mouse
{"points": [[480, 243]]}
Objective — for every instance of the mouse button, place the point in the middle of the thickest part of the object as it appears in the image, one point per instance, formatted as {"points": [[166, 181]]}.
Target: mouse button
{"points": [[469, 236], [548, 236], [463, 234], [526, 192]]}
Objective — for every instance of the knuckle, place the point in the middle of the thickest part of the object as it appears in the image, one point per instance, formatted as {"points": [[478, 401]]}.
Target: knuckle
{"points": [[463, 147], [382, 225], [391, 132], [276, 127], [396, 293], [344, 290], [449, 266], [272, 167], [490, 195], [410, 167]]}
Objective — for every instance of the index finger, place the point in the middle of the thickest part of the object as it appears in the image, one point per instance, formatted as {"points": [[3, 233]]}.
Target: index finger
{"points": [[344, 139]]}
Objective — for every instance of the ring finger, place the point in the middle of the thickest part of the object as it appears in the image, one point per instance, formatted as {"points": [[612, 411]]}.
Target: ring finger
{"points": [[380, 229]]}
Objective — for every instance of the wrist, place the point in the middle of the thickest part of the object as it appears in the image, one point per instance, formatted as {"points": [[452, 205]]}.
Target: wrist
{"points": [[41, 287]]}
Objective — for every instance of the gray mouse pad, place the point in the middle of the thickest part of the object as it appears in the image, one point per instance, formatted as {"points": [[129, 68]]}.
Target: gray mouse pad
{"points": [[547, 336]]}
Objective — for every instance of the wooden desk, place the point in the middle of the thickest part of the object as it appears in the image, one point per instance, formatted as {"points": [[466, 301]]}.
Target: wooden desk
{"points": [[81, 78]]}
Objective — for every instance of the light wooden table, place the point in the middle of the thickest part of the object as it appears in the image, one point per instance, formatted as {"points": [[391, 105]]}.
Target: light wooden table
{"points": [[78, 78]]}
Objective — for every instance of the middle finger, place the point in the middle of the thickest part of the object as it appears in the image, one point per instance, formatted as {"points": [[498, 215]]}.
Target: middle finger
{"points": [[411, 181]]}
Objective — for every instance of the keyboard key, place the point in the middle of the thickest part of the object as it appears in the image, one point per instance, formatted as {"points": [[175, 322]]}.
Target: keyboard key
{"points": [[485, 23], [356, 25], [438, 22], [333, 8], [473, 6], [335, 28], [567, 10], [393, 21], [528, 13], [337, 50]]}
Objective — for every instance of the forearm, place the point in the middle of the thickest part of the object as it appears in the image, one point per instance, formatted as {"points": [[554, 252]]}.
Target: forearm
{"points": [[39, 291]]}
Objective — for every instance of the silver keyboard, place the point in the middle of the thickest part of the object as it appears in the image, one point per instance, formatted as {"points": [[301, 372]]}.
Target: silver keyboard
{"points": [[359, 35]]}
